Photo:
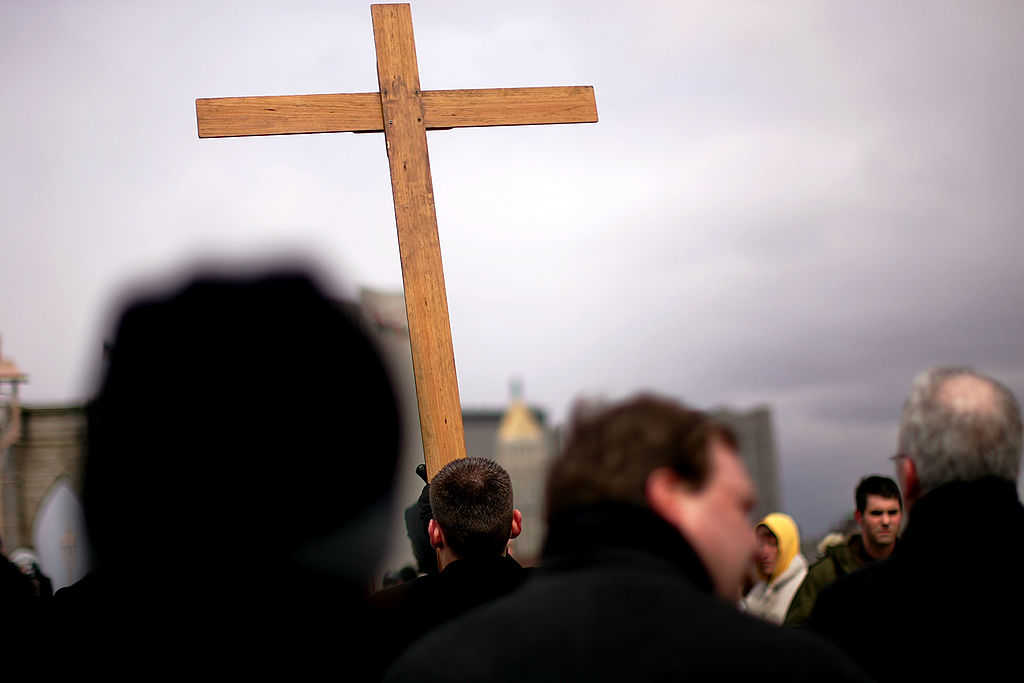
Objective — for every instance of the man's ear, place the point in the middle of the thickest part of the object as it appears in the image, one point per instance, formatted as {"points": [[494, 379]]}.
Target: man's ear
{"points": [[436, 534], [662, 493], [909, 480], [517, 524], [857, 516]]}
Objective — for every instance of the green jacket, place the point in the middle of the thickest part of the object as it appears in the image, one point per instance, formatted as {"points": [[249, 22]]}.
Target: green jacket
{"points": [[839, 560]]}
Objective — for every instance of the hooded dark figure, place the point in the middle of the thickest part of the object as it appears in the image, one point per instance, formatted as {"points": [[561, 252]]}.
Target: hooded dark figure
{"points": [[241, 452], [417, 517]]}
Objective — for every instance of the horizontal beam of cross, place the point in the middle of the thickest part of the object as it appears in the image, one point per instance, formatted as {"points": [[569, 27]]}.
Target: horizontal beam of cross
{"points": [[361, 112]]}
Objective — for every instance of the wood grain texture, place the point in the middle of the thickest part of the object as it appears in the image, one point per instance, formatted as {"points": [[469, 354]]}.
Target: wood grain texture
{"points": [[509, 106], [222, 117], [404, 114], [433, 358]]}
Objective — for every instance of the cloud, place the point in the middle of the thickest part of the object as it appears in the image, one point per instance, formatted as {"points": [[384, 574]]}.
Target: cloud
{"points": [[801, 205]]}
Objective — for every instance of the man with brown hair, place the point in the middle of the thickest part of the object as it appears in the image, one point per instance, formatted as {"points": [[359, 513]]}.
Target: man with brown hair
{"points": [[649, 540], [878, 514], [473, 519]]}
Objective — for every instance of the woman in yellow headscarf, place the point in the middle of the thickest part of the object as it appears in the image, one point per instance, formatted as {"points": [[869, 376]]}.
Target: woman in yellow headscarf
{"points": [[780, 567]]}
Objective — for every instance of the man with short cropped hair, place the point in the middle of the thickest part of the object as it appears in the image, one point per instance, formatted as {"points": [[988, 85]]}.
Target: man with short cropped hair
{"points": [[878, 514], [473, 520], [649, 539], [942, 606]]}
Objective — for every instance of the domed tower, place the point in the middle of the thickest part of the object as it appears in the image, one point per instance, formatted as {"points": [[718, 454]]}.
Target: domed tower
{"points": [[522, 449]]}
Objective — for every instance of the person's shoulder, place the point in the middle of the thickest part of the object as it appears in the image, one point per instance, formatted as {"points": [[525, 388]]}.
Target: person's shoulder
{"points": [[798, 566], [508, 567], [512, 564], [845, 554], [863, 578], [730, 642], [826, 566], [399, 596], [474, 646], [797, 654], [841, 589], [813, 656], [846, 600]]}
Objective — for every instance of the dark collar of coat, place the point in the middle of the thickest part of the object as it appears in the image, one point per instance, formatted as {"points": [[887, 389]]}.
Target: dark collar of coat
{"points": [[583, 532], [982, 511], [488, 566]]}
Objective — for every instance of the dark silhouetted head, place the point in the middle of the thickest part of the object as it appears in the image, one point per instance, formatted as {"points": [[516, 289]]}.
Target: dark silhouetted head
{"points": [[244, 424]]}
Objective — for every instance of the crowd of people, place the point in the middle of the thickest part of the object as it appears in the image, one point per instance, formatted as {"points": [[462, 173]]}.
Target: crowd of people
{"points": [[651, 570]]}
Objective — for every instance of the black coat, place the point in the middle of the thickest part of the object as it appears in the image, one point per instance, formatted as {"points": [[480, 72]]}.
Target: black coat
{"points": [[23, 614], [946, 601], [16, 592], [119, 624], [404, 613], [620, 597]]}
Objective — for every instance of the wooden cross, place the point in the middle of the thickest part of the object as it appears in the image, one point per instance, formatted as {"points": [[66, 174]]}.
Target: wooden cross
{"points": [[404, 113]]}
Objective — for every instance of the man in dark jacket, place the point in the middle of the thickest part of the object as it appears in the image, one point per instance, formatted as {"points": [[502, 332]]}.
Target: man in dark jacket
{"points": [[275, 467], [878, 514], [941, 606], [649, 540], [473, 519]]}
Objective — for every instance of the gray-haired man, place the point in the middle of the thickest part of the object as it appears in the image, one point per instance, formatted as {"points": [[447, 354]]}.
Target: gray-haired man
{"points": [[942, 606]]}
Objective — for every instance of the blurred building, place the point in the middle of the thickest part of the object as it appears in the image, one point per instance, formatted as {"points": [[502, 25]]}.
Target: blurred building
{"points": [[757, 448], [41, 451], [523, 444]]}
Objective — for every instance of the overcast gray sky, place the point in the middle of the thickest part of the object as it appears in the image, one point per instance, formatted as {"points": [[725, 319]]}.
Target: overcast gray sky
{"points": [[800, 204]]}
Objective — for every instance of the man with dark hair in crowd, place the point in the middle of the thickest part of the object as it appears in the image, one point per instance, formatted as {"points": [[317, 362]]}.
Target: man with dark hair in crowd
{"points": [[947, 597], [417, 520], [649, 539], [241, 453], [473, 519], [878, 514]]}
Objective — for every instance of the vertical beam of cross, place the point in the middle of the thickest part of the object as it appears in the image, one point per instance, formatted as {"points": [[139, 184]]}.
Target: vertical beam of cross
{"points": [[433, 359], [404, 113]]}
